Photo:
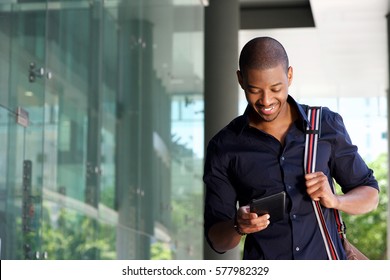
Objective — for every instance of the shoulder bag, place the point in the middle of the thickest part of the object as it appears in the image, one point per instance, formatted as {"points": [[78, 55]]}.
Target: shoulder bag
{"points": [[312, 135]]}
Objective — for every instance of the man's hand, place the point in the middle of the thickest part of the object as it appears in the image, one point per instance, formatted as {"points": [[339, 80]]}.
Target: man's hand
{"points": [[318, 189], [224, 237], [248, 222], [359, 200]]}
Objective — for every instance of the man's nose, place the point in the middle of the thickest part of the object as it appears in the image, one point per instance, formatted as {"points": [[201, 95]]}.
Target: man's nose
{"points": [[266, 98]]}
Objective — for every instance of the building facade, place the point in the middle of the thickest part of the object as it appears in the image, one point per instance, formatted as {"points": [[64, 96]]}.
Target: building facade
{"points": [[97, 99]]}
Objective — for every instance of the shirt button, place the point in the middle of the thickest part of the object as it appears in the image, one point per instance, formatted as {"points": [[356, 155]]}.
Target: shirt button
{"points": [[289, 187], [282, 158], [294, 217], [297, 249]]}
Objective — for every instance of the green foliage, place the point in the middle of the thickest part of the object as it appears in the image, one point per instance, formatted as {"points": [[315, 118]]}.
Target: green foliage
{"points": [[160, 251], [77, 237], [107, 196], [187, 226], [368, 232]]}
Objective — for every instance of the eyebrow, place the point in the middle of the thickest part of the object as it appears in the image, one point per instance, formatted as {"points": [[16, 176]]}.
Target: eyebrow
{"points": [[274, 85]]}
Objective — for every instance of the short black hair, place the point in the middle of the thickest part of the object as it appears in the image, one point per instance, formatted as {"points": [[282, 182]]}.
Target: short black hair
{"points": [[263, 53]]}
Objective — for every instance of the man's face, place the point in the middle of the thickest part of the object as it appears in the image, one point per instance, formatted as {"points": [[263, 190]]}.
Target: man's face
{"points": [[266, 90]]}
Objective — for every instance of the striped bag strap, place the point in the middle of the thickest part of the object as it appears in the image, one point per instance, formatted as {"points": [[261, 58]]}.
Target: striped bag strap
{"points": [[312, 134]]}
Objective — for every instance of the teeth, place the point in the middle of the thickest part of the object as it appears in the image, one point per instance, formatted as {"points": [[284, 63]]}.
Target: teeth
{"points": [[268, 109]]}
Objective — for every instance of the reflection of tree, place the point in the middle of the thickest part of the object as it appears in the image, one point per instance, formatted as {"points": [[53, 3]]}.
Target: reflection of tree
{"points": [[181, 154], [188, 226], [75, 237], [368, 232], [26, 240], [160, 251], [107, 196], [187, 201]]}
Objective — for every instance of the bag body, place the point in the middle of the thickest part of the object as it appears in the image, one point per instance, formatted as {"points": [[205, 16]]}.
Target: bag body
{"points": [[352, 252]]}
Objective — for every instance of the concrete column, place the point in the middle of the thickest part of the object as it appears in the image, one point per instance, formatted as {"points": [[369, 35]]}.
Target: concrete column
{"points": [[222, 24]]}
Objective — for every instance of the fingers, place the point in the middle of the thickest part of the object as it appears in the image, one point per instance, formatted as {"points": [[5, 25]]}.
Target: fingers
{"points": [[313, 179], [318, 188], [250, 222], [316, 183], [259, 224]]}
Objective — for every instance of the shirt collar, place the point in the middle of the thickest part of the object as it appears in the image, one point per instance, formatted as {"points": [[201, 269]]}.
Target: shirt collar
{"points": [[244, 122]]}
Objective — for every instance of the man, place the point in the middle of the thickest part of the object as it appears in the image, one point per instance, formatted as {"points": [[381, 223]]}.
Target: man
{"points": [[261, 153]]}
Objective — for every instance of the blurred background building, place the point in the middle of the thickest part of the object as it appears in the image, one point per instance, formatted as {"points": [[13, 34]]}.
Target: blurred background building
{"points": [[106, 106]]}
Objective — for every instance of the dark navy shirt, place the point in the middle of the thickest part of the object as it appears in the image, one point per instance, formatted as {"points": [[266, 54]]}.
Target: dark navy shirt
{"points": [[243, 163]]}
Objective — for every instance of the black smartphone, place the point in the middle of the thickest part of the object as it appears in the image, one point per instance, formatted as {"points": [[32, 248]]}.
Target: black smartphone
{"points": [[274, 205]]}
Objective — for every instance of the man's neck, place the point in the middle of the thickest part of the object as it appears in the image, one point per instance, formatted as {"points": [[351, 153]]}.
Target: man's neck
{"points": [[279, 126]]}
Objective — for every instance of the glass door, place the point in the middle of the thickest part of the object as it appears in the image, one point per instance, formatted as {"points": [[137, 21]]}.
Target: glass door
{"points": [[22, 84], [72, 137]]}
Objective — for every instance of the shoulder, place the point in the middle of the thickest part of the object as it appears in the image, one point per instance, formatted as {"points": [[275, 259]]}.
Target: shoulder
{"points": [[332, 123], [230, 131], [328, 116], [332, 119], [226, 140], [332, 127]]}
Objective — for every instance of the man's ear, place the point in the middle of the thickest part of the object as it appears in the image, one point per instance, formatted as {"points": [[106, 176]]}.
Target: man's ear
{"points": [[290, 75], [239, 78]]}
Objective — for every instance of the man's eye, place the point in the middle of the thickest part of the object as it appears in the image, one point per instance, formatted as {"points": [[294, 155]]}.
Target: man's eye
{"points": [[253, 90], [276, 89]]}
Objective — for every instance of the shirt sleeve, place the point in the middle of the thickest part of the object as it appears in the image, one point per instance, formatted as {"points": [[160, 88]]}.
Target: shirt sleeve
{"points": [[220, 195], [347, 166]]}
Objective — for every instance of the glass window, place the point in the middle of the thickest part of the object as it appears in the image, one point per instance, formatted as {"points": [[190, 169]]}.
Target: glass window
{"points": [[105, 104]]}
